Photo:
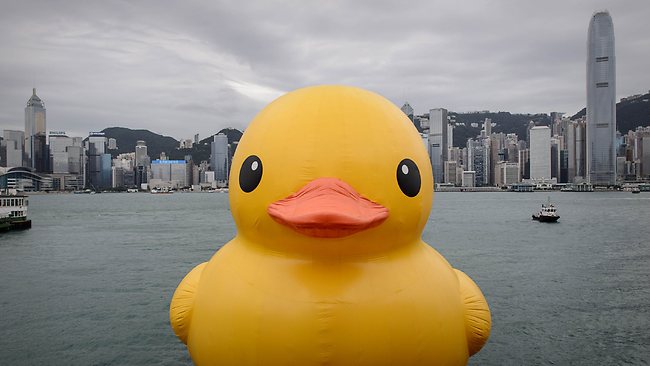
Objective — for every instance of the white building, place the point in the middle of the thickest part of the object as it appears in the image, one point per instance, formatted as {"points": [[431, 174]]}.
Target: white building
{"points": [[469, 176], [169, 174], [540, 153]]}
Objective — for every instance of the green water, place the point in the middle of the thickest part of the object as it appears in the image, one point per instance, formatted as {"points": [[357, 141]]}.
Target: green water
{"points": [[90, 283]]}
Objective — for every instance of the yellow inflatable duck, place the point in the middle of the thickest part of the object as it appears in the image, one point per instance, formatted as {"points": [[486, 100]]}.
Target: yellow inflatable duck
{"points": [[330, 189]]}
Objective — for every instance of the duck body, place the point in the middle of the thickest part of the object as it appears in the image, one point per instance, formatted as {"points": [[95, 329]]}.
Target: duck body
{"points": [[383, 311], [328, 267]]}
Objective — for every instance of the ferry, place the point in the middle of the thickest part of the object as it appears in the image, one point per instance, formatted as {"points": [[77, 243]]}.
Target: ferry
{"points": [[163, 190], [548, 213], [13, 211]]}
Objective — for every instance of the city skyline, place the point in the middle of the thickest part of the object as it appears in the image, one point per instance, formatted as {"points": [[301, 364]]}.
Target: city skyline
{"points": [[179, 70]]}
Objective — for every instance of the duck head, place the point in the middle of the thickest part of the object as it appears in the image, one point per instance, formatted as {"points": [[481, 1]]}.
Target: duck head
{"points": [[330, 170]]}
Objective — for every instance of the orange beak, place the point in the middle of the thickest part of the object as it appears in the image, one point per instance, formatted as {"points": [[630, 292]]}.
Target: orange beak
{"points": [[327, 208]]}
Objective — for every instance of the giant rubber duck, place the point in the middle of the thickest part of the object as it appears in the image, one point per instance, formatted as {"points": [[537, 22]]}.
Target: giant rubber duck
{"points": [[330, 189]]}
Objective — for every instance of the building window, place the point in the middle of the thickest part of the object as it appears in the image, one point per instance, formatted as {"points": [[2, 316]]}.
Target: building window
{"points": [[602, 59], [602, 85]]}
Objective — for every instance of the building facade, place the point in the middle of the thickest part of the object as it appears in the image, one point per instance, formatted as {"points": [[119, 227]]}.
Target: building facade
{"points": [[601, 101], [169, 174], [438, 142], [36, 156], [13, 145], [540, 153], [219, 160], [98, 162]]}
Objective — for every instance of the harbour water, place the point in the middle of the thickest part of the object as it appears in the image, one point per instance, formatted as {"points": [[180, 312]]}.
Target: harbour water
{"points": [[91, 282]]}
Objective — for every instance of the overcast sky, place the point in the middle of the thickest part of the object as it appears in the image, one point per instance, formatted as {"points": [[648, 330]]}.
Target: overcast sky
{"points": [[186, 67]]}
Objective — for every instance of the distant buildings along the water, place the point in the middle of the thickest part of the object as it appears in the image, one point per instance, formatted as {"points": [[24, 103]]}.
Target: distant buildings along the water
{"points": [[29, 162]]}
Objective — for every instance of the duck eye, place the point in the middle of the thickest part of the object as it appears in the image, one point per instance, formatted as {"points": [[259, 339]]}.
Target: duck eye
{"points": [[250, 174], [408, 177]]}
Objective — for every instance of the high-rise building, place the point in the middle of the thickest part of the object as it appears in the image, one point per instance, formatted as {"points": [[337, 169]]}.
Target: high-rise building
{"points": [[409, 112], [59, 143], [645, 157], [531, 124], [581, 151], [524, 163], [112, 144], [555, 158], [170, 174], [123, 170], [506, 174], [478, 161], [450, 136], [98, 162], [13, 148], [556, 123], [487, 127], [570, 142], [35, 153], [220, 158], [601, 101], [141, 157], [438, 142], [540, 153], [450, 167], [142, 163]]}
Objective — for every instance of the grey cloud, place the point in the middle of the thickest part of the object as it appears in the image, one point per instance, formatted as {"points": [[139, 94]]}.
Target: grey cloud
{"points": [[197, 66]]}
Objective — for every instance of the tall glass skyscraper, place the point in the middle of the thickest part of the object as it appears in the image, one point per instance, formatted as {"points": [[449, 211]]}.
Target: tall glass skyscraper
{"points": [[438, 142], [35, 154], [601, 101], [219, 160]]}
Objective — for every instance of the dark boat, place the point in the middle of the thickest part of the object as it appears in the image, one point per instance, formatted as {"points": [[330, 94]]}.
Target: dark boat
{"points": [[548, 213]]}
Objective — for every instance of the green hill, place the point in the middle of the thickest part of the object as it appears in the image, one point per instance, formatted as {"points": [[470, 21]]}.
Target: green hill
{"points": [[126, 140], [506, 122], [202, 151]]}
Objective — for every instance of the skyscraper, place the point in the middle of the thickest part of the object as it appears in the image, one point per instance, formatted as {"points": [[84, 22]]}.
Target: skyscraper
{"points": [[142, 163], [540, 153], [409, 112], [438, 142], [219, 158], [35, 154], [601, 101], [13, 144], [98, 162]]}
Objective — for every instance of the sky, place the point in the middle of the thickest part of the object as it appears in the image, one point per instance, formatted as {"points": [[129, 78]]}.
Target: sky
{"points": [[185, 67]]}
